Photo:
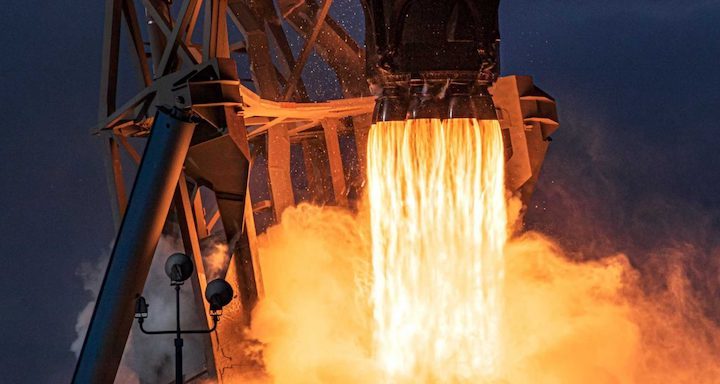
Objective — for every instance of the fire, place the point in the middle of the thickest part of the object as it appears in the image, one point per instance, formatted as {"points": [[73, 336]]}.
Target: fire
{"points": [[430, 289], [439, 224]]}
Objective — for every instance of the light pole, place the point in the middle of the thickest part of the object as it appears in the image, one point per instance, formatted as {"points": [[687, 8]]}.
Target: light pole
{"points": [[218, 293]]}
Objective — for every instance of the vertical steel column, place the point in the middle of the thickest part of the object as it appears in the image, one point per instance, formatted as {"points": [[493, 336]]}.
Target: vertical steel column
{"points": [[337, 172], [135, 245], [278, 157], [157, 38], [191, 242], [361, 129], [116, 183]]}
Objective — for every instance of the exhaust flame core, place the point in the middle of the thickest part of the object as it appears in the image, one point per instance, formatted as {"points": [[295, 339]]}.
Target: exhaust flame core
{"points": [[439, 224]]}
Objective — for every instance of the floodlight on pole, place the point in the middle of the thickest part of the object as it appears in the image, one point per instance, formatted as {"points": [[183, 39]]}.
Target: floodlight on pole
{"points": [[218, 293]]}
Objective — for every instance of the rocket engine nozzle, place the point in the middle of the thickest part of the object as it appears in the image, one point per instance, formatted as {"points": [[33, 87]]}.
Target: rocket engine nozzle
{"points": [[429, 58], [438, 98]]}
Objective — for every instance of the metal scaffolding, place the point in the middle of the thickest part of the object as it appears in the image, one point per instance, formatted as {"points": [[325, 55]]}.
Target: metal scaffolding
{"points": [[206, 125]]}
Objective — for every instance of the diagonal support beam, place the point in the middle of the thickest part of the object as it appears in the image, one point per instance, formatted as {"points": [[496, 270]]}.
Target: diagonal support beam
{"points": [[191, 27], [191, 242], [178, 33], [337, 173], [263, 69], [278, 159], [307, 49], [136, 41], [116, 182], [337, 48], [286, 61], [187, 53], [110, 55], [215, 34], [199, 212], [132, 254], [159, 20], [130, 149]]}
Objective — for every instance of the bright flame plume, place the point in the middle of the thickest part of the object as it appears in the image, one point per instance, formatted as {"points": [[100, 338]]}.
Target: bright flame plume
{"points": [[439, 224], [447, 303]]}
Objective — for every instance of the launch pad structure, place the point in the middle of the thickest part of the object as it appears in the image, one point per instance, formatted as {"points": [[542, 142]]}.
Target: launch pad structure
{"points": [[205, 127]]}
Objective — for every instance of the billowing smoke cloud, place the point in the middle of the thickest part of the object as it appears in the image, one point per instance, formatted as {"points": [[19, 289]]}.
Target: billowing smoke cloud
{"points": [[315, 320], [216, 258], [91, 274], [592, 321], [565, 320]]}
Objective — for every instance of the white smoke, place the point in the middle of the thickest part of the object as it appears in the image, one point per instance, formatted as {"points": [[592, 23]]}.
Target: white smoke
{"points": [[91, 273], [215, 257]]}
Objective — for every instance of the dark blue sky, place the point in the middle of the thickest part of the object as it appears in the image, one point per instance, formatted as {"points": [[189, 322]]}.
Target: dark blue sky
{"points": [[634, 167]]}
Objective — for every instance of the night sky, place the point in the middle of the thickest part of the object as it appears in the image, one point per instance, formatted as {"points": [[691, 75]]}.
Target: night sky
{"points": [[634, 167]]}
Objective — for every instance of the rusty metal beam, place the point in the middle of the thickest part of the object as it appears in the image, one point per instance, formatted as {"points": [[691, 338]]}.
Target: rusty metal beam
{"points": [[129, 149], [191, 243], [176, 37], [337, 173], [314, 185], [258, 49], [530, 115], [110, 54], [199, 212], [337, 48], [213, 220], [245, 255], [127, 109], [136, 42], [116, 182], [260, 25], [238, 46], [215, 34], [192, 24], [317, 170], [286, 61], [251, 237], [162, 23], [159, 27], [278, 159], [188, 54], [307, 49]]}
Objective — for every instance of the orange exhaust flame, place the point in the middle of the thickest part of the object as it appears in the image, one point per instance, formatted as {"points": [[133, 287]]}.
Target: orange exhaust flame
{"points": [[429, 289], [439, 225]]}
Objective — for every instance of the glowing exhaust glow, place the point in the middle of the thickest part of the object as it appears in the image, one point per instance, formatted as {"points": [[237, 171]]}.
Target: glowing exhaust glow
{"points": [[439, 225]]}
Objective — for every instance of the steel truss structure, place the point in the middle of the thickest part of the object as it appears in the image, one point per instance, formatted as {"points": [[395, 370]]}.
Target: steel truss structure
{"points": [[205, 125], [189, 84]]}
